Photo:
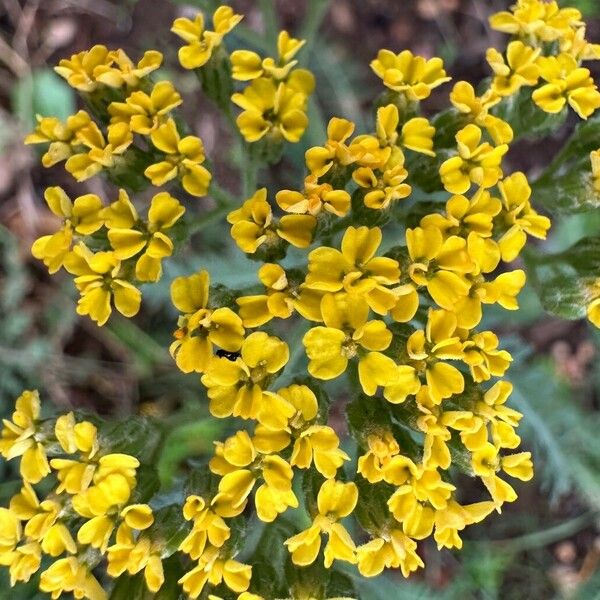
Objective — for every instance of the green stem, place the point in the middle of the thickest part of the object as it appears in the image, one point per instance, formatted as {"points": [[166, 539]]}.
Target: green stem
{"points": [[542, 538]]}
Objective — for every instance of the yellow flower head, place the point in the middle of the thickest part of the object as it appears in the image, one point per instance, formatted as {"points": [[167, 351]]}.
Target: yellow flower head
{"points": [[519, 69], [200, 327], [80, 217], [356, 269], [317, 197], [411, 75], [19, 438], [208, 527], [253, 225], [143, 112], [335, 501], [520, 218], [214, 569], [183, 159], [274, 109], [566, 82], [320, 159], [247, 65], [61, 137], [439, 264], [146, 238], [282, 298], [97, 277], [434, 345], [201, 43], [536, 20], [347, 333], [241, 465], [69, 575], [235, 387], [476, 162], [98, 66], [391, 550], [476, 108]]}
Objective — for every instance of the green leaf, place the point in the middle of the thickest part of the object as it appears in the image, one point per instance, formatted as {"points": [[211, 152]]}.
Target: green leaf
{"points": [[170, 527], [189, 439], [43, 93], [139, 437], [563, 281]]}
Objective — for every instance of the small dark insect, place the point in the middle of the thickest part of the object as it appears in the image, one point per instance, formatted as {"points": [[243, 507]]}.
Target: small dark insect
{"points": [[232, 356]]}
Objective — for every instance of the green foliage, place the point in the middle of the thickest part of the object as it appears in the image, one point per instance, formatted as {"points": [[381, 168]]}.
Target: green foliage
{"points": [[42, 93], [564, 281]]}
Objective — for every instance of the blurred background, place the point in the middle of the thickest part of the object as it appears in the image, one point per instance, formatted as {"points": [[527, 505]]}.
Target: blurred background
{"points": [[546, 545]]}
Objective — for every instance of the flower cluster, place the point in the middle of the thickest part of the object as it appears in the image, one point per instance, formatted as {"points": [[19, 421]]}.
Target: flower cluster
{"points": [[93, 508], [389, 306], [109, 249]]}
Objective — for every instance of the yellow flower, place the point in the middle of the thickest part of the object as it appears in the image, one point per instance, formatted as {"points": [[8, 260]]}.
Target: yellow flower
{"points": [[566, 82], [142, 112], [315, 198], [122, 71], [415, 502], [382, 187], [147, 237], [23, 561], [134, 556], [417, 135], [411, 75], [519, 69], [241, 465], [439, 264], [247, 65], [208, 527], [10, 530], [200, 327], [201, 43], [356, 269], [391, 550], [475, 162], [69, 575], [454, 518], [183, 159], [61, 137], [483, 357], [75, 475], [97, 277], [573, 42], [476, 108], [537, 20], [214, 569], [83, 216], [273, 109], [345, 335], [382, 447], [439, 342], [19, 437], [320, 159], [335, 501], [235, 387], [520, 217], [318, 444], [253, 225], [102, 153], [80, 70], [281, 299], [463, 216]]}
